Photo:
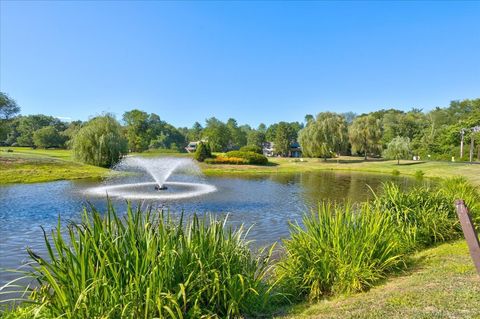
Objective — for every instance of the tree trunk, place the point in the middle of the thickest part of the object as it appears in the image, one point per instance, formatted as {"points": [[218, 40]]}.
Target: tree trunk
{"points": [[398, 161]]}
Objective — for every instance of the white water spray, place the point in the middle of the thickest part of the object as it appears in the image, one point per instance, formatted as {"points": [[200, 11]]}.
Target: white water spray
{"points": [[158, 169]]}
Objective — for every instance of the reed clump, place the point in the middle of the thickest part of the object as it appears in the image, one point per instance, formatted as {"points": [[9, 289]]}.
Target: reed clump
{"points": [[146, 265], [340, 249]]}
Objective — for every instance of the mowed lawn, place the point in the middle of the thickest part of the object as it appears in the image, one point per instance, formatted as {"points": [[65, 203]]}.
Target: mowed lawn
{"points": [[26, 165], [441, 283]]}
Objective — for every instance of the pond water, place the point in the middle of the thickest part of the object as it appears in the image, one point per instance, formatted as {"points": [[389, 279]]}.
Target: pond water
{"points": [[266, 202]]}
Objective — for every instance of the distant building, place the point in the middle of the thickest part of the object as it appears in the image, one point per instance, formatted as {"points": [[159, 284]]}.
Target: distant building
{"points": [[192, 147], [268, 149], [295, 150]]}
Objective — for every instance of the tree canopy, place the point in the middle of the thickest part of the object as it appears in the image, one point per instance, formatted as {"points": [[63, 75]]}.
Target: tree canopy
{"points": [[100, 142], [398, 148], [365, 134], [324, 136]]}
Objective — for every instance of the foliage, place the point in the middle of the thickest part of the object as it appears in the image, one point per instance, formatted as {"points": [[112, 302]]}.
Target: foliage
{"points": [[27, 125], [148, 265], [202, 152], [8, 107], [365, 134], [195, 133], [324, 136], [145, 131], [238, 137], [251, 148], [48, 136], [227, 160], [100, 142], [256, 137], [250, 157], [340, 249], [217, 135], [419, 174], [398, 148], [395, 172]]}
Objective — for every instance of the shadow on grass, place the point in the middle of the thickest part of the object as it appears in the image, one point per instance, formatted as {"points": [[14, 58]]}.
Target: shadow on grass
{"points": [[411, 163]]}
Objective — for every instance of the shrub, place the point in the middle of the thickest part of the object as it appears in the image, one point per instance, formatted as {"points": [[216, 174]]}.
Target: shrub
{"points": [[202, 152], [419, 174], [146, 265], [395, 172], [339, 250], [251, 148], [251, 157], [100, 142], [226, 160]]}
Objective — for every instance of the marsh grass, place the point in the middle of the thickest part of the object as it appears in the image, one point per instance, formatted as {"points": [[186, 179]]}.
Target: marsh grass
{"points": [[340, 249], [146, 265]]}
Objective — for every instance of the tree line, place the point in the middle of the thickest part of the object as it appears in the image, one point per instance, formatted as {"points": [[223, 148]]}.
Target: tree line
{"points": [[435, 133]]}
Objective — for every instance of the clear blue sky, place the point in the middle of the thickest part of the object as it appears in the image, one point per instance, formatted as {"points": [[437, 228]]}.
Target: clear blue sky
{"points": [[253, 61]]}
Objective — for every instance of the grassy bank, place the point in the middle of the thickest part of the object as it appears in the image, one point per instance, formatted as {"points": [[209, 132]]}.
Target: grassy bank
{"points": [[441, 283], [25, 165]]}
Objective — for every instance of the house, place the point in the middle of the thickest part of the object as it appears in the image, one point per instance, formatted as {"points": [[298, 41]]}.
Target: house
{"points": [[295, 150], [268, 149], [192, 147]]}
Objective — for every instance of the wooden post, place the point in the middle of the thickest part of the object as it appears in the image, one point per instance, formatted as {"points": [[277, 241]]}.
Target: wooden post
{"points": [[469, 232]]}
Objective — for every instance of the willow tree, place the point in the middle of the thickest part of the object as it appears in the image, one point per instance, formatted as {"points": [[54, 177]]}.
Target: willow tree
{"points": [[365, 134], [398, 148], [100, 142], [324, 136]]}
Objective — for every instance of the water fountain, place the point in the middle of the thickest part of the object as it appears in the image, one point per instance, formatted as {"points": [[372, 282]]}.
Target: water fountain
{"points": [[160, 170]]}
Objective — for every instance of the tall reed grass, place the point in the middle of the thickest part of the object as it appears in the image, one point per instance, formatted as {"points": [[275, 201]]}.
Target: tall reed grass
{"points": [[148, 266], [339, 249]]}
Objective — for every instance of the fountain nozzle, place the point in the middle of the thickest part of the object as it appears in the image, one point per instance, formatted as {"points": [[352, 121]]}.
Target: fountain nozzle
{"points": [[160, 187]]}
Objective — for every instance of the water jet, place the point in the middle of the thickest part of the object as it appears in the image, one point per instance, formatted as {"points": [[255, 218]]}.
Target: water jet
{"points": [[159, 169]]}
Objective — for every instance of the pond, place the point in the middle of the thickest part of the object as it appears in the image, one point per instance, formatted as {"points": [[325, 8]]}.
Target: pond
{"points": [[266, 202]]}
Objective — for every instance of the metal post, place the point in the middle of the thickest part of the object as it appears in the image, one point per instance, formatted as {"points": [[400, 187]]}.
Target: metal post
{"points": [[469, 232], [461, 143], [472, 145]]}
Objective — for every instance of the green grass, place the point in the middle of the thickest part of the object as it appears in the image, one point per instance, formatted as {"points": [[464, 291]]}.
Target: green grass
{"points": [[25, 165], [442, 283]]}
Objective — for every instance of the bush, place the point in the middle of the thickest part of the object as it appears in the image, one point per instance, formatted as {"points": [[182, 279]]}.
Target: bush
{"points": [[226, 160], [148, 266], [251, 148], [395, 172], [419, 174], [100, 142], [250, 157], [202, 152], [339, 250]]}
